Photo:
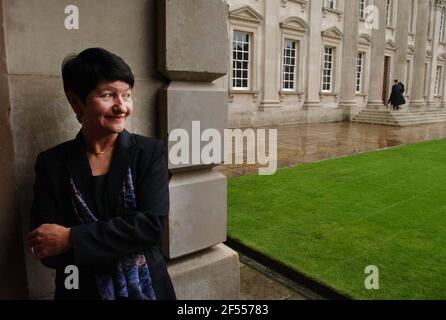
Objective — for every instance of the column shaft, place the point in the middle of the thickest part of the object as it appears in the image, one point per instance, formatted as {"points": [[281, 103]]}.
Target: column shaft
{"points": [[271, 65], [313, 66], [349, 56], [401, 41], [377, 59], [435, 44], [417, 99]]}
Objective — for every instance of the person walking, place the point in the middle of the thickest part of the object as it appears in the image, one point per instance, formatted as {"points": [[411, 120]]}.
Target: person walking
{"points": [[396, 97]]}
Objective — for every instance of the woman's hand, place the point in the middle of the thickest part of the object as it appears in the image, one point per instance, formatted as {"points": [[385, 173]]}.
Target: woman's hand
{"points": [[49, 240]]}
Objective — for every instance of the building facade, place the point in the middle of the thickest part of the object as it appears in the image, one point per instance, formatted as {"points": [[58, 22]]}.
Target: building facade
{"points": [[304, 61]]}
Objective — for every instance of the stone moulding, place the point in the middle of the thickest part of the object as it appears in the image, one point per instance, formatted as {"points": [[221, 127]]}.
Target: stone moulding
{"points": [[339, 13], [303, 4], [333, 33], [364, 39], [295, 24], [254, 93], [246, 13]]}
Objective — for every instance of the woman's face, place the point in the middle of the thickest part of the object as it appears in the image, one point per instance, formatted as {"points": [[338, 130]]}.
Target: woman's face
{"points": [[107, 107]]}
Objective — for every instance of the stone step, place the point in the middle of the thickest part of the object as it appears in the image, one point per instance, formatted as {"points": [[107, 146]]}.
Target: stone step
{"points": [[402, 117], [392, 119], [403, 114], [398, 123]]}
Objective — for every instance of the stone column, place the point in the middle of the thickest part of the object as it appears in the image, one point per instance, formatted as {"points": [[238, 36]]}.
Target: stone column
{"points": [[12, 266], [201, 267], [401, 41], [377, 59], [271, 55], [313, 65], [349, 58], [417, 98], [443, 94], [439, 5]]}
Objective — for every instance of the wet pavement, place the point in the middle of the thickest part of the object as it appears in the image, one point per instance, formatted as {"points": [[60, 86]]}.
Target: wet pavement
{"points": [[309, 143], [314, 142]]}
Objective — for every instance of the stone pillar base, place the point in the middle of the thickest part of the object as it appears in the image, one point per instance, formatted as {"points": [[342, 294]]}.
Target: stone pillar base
{"points": [[431, 105], [311, 104], [417, 104], [211, 274], [404, 107], [269, 104], [350, 109], [376, 105]]}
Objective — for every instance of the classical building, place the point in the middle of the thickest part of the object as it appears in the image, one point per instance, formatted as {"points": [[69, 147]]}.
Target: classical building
{"points": [[303, 61]]}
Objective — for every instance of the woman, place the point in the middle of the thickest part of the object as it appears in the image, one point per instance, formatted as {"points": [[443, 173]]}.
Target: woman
{"points": [[100, 200]]}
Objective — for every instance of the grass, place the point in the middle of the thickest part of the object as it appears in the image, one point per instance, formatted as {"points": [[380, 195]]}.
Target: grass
{"points": [[331, 219]]}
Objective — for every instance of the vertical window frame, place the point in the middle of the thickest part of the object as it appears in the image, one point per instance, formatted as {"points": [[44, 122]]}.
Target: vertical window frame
{"points": [[329, 59], [285, 57], [389, 13], [360, 68], [330, 4], [362, 8], [234, 62], [438, 76]]}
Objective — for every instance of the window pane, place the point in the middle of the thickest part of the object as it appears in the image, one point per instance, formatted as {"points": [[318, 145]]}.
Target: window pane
{"points": [[241, 59]]}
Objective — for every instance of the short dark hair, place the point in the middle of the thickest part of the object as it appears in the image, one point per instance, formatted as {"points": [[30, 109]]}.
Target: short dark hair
{"points": [[83, 72]]}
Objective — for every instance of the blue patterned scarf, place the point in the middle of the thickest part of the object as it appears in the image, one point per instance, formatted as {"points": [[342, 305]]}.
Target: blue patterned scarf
{"points": [[130, 278]]}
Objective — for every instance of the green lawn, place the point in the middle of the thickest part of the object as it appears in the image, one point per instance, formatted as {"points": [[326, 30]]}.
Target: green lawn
{"points": [[331, 219]]}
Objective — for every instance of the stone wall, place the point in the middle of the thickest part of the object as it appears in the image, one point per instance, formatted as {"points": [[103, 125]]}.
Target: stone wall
{"points": [[155, 38], [36, 44]]}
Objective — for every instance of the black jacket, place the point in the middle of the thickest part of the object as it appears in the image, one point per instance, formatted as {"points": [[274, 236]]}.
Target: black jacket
{"points": [[97, 246], [396, 97]]}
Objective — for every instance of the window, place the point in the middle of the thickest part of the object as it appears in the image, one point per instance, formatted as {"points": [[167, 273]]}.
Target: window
{"points": [[359, 71], [327, 70], [442, 27], [331, 4], [438, 81], [240, 60], [362, 9], [289, 65], [389, 13]]}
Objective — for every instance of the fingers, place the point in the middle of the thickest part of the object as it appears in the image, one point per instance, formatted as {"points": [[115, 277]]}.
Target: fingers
{"points": [[39, 255], [40, 251], [38, 233]]}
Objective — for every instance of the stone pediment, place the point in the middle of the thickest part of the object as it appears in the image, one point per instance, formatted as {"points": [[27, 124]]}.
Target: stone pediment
{"points": [[365, 39], [295, 23], [246, 13], [390, 45], [333, 32]]}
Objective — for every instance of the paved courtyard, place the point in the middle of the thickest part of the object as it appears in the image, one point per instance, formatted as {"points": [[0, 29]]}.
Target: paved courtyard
{"points": [[309, 143], [314, 142]]}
